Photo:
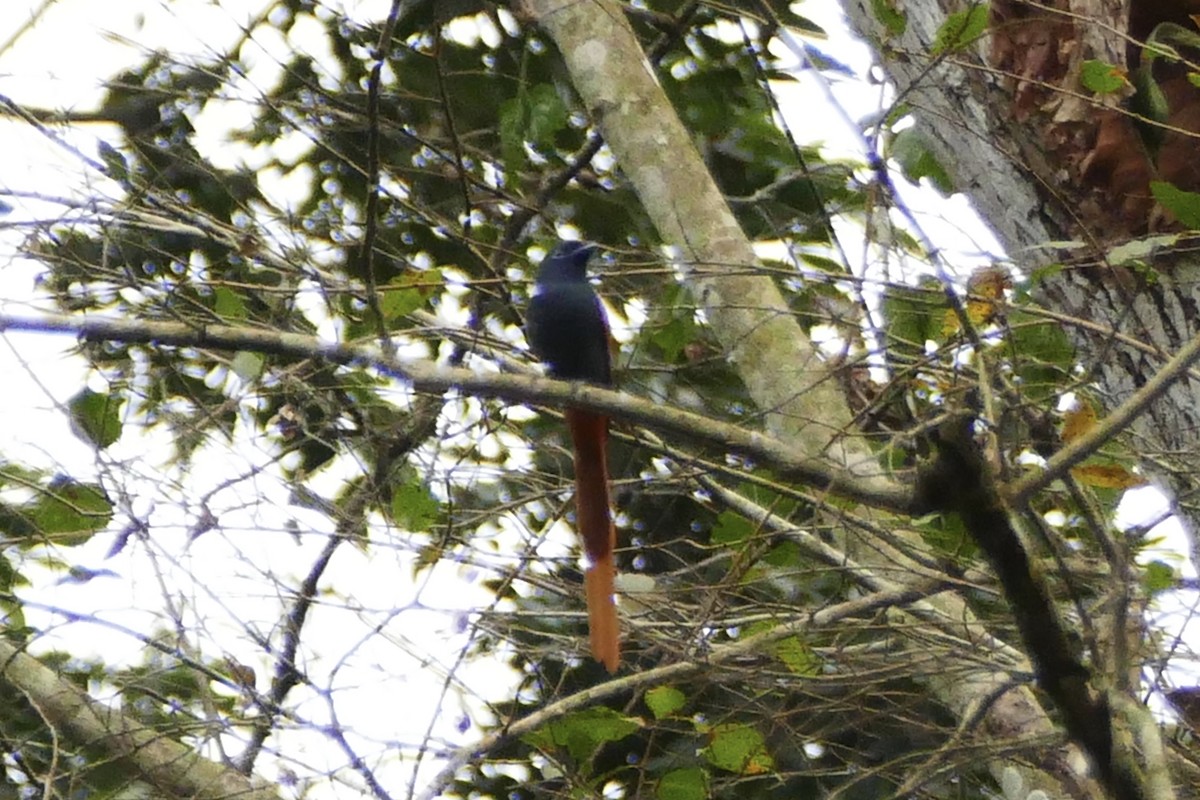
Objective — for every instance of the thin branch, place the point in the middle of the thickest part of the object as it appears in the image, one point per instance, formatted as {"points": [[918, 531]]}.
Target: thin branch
{"points": [[1022, 489], [876, 491], [287, 675], [662, 676], [951, 617], [371, 214]]}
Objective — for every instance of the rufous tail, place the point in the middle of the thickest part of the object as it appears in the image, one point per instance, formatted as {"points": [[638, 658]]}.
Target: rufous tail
{"points": [[589, 432], [602, 614]]}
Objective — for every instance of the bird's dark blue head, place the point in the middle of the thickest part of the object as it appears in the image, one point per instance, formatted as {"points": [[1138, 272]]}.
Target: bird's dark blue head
{"points": [[565, 322], [566, 263]]}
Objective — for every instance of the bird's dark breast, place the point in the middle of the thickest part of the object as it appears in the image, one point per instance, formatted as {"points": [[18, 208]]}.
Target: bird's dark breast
{"points": [[566, 330]]}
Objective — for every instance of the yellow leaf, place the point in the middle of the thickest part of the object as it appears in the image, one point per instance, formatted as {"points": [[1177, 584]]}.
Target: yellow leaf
{"points": [[1078, 421], [985, 290], [1107, 476], [980, 312], [949, 324], [989, 283]]}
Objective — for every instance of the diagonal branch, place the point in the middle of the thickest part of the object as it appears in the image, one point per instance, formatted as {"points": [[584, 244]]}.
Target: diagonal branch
{"points": [[1118, 420], [969, 489], [287, 674], [173, 768]]}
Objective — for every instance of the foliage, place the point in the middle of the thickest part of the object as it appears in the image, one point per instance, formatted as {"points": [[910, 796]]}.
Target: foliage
{"points": [[425, 198]]}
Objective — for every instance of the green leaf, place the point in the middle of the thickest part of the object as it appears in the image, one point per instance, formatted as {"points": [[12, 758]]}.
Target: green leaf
{"points": [[892, 18], [535, 116], [1044, 354], [229, 304], [1037, 276], [8, 575], [797, 656], [948, 535], [12, 615], [672, 337], [1141, 250], [784, 554], [912, 316], [1163, 40], [960, 29], [17, 475], [247, 365], [546, 114], [690, 783], [1102, 77], [1158, 576], [1185, 206], [511, 128], [181, 682], [916, 161], [731, 528], [823, 263], [1149, 101], [69, 507], [96, 417], [583, 732], [414, 508], [738, 748], [663, 701], [410, 291]]}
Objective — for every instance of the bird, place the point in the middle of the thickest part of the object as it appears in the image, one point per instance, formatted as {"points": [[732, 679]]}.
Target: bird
{"points": [[567, 329]]}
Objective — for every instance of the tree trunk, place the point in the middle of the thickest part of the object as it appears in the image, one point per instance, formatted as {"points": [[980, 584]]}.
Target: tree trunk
{"points": [[779, 365], [1045, 160]]}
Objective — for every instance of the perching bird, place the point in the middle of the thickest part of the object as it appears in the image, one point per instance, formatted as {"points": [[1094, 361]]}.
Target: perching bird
{"points": [[567, 329]]}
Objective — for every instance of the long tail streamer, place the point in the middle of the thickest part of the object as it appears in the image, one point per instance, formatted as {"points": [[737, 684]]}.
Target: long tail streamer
{"points": [[589, 432]]}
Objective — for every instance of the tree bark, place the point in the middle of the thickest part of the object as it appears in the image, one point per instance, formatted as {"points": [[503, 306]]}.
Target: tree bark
{"points": [[1044, 161], [772, 354], [1023, 139], [175, 769]]}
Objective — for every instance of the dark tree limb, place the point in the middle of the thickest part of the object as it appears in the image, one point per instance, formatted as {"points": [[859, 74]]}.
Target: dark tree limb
{"points": [[958, 481]]}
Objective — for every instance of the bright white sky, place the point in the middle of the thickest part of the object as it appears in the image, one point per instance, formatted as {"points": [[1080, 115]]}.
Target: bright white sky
{"points": [[388, 687]]}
